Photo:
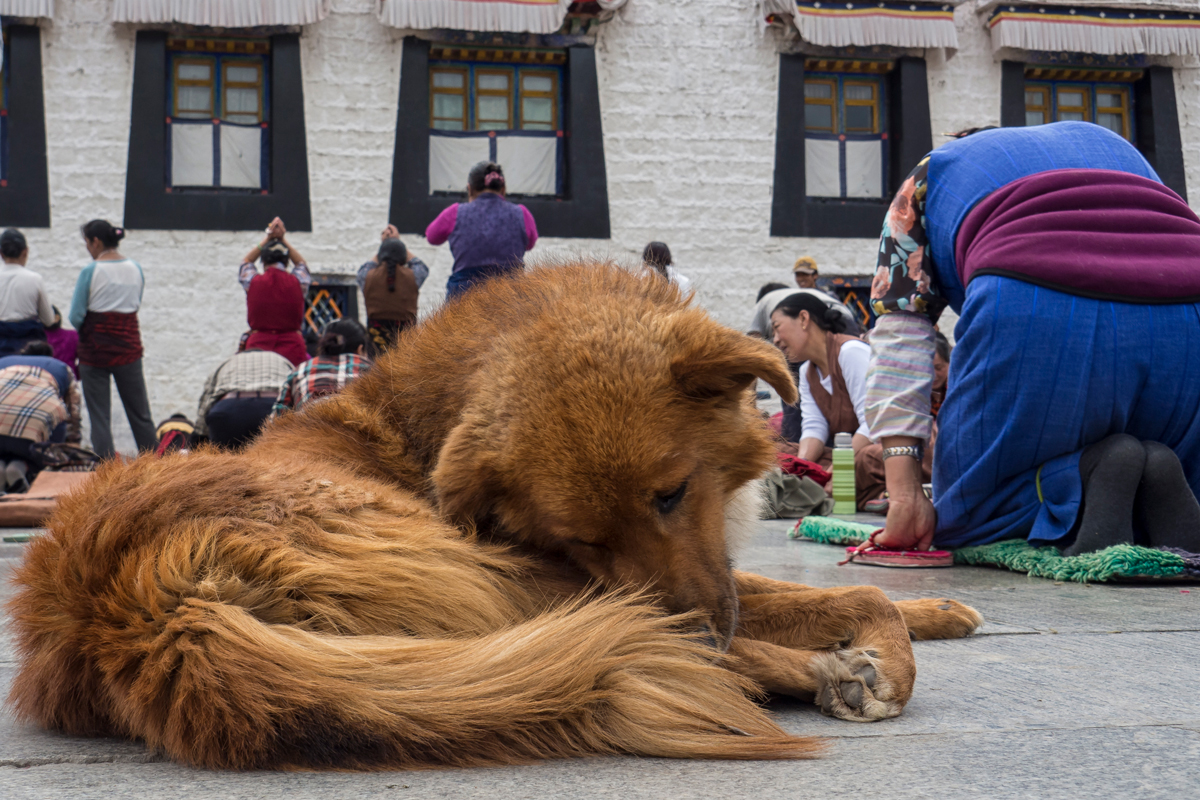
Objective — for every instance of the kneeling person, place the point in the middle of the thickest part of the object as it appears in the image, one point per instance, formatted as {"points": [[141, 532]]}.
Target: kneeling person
{"points": [[239, 396]]}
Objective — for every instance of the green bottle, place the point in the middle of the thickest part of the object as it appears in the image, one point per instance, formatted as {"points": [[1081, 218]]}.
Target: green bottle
{"points": [[843, 474]]}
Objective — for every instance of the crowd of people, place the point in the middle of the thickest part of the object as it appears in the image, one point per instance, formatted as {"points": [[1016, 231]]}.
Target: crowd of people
{"points": [[1052, 421]]}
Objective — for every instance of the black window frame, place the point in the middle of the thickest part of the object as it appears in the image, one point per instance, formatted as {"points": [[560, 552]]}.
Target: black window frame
{"points": [[581, 212], [148, 203], [25, 197], [910, 138], [1155, 118]]}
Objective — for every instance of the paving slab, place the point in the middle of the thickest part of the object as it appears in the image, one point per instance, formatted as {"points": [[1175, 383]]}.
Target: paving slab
{"points": [[1099, 708]]}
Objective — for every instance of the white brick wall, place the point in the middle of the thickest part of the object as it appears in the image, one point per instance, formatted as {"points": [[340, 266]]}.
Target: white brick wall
{"points": [[688, 93]]}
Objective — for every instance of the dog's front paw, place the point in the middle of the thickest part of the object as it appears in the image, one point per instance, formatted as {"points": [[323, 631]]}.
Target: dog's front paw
{"points": [[855, 687], [938, 619]]}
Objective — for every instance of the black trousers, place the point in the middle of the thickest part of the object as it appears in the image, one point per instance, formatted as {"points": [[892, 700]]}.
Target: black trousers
{"points": [[235, 421]]}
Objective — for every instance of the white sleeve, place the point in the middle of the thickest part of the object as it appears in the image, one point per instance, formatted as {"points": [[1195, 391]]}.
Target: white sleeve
{"points": [[854, 360], [813, 424]]}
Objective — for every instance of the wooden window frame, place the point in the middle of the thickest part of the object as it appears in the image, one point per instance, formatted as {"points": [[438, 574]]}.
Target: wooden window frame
{"points": [[211, 84], [832, 101], [464, 92], [1126, 93], [1043, 89], [551, 95], [260, 68], [874, 103], [509, 95], [1084, 89]]}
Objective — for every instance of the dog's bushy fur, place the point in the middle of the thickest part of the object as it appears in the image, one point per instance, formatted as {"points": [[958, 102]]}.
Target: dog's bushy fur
{"points": [[506, 542]]}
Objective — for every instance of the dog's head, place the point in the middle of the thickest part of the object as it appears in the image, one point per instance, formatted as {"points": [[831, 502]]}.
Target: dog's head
{"points": [[619, 442]]}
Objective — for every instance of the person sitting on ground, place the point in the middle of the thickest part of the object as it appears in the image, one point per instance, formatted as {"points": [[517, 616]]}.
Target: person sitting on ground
{"points": [[25, 308], [833, 389], [104, 309], [657, 257], [239, 396], [488, 235], [64, 342], [275, 298], [39, 402], [341, 357], [391, 283]]}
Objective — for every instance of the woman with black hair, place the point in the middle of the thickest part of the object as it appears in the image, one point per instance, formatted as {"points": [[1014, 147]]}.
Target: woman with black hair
{"points": [[25, 309], [833, 388], [275, 298], [657, 257], [391, 283], [104, 310], [341, 357], [488, 235]]}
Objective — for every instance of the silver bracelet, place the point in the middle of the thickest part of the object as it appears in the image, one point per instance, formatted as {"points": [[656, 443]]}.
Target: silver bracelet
{"points": [[915, 450]]}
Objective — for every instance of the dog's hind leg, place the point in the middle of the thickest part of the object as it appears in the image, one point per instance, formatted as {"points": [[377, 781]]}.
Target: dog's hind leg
{"points": [[847, 648]]}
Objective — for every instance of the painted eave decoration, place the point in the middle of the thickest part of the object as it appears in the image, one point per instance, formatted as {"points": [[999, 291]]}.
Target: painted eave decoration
{"points": [[513, 16], [899, 24], [222, 13], [1112, 28], [27, 8]]}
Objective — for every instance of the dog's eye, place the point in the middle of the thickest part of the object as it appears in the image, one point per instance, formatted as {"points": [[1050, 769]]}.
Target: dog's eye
{"points": [[666, 502]]}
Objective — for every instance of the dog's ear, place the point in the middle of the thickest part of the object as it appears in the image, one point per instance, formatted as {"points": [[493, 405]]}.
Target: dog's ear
{"points": [[464, 481], [723, 363]]}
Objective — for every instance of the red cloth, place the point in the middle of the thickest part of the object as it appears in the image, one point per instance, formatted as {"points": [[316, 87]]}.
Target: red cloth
{"points": [[289, 344], [109, 339], [275, 302], [800, 468]]}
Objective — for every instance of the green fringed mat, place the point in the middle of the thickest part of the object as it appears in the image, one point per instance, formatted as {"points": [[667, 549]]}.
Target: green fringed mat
{"points": [[1125, 562]]}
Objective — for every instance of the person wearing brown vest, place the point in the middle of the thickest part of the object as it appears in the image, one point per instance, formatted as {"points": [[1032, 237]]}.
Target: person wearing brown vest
{"points": [[391, 283], [832, 388]]}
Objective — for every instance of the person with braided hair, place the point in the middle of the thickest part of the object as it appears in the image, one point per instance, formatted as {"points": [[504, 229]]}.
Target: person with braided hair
{"points": [[488, 235], [391, 283]]}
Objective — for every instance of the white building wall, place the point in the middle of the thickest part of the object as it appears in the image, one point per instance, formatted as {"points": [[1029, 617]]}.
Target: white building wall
{"points": [[688, 92]]}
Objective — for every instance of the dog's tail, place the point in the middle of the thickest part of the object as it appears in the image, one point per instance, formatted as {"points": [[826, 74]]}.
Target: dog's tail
{"points": [[214, 686]]}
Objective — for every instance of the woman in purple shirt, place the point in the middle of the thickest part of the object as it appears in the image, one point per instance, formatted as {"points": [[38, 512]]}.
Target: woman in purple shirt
{"points": [[488, 235]]}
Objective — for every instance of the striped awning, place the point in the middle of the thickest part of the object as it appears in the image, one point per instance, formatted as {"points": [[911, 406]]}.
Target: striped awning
{"points": [[907, 23], [222, 13], [26, 8], [1105, 28], [517, 16]]}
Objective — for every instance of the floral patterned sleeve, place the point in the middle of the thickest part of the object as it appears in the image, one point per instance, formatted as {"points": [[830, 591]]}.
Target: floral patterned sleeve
{"points": [[904, 273], [906, 302]]}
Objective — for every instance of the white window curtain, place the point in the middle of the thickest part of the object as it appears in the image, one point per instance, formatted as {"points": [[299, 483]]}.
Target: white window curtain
{"points": [[923, 23], [528, 16], [222, 13], [27, 8], [204, 154], [843, 167], [530, 160]]}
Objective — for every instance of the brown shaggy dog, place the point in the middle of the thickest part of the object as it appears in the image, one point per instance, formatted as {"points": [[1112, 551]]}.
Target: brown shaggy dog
{"points": [[507, 542]]}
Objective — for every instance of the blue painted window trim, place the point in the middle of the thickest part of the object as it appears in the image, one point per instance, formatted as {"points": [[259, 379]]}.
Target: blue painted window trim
{"points": [[1090, 87], [515, 109], [842, 137], [264, 62]]}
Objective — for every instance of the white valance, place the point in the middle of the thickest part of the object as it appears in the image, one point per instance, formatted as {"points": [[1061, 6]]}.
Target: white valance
{"points": [[1105, 28], [860, 23], [27, 8], [222, 13], [528, 16]]}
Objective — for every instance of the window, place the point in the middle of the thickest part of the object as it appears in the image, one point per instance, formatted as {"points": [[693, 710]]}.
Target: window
{"points": [[24, 186], [1106, 104], [845, 145], [552, 153], [217, 122], [204, 153], [848, 131], [498, 111]]}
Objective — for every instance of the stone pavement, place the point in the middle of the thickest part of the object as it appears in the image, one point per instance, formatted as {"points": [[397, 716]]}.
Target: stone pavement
{"points": [[1069, 691]]}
